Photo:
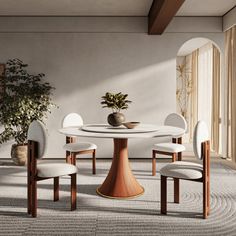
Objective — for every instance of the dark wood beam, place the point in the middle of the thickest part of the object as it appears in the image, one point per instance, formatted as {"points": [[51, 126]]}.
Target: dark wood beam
{"points": [[161, 14]]}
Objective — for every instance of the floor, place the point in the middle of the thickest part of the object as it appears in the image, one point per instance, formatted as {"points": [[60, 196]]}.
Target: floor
{"points": [[101, 216]]}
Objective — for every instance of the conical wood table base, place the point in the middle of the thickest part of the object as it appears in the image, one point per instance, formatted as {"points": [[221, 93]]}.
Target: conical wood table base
{"points": [[120, 182]]}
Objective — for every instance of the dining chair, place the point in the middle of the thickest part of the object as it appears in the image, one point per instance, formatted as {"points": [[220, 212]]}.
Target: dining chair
{"points": [[74, 148], [190, 171], [37, 143], [173, 149]]}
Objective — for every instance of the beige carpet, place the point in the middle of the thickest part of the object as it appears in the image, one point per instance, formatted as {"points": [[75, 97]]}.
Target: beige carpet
{"points": [[100, 216]]}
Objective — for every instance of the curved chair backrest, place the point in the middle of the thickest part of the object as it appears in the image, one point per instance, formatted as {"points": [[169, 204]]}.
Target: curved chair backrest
{"points": [[72, 120], [200, 135], [176, 120], [37, 133]]}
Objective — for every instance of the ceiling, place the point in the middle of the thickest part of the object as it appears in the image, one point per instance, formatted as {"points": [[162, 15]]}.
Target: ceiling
{"points": [[206, 7], [76, 7], [108, 7]]}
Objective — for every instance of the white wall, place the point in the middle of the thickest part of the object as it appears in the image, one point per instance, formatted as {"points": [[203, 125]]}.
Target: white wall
{"points": [[83, 65]]}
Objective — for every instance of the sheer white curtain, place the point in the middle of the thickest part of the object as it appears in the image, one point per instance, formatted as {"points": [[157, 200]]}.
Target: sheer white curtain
{"points": [[230, 58], [198, 90], [216, 105], [205, 58]]}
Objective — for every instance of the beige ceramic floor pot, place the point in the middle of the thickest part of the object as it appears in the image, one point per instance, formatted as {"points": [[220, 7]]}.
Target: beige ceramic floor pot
{"points": [[19, 154]]}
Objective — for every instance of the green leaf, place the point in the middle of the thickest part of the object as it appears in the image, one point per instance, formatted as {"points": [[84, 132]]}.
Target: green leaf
{"points": [[114, 101], [26, 97]]}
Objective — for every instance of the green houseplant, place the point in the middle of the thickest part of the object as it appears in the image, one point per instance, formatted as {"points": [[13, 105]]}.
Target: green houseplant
{"points": [[24, 98], [116, 102]]}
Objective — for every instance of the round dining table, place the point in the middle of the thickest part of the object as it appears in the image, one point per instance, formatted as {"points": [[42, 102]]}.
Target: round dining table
{"points": [[120, 182]]}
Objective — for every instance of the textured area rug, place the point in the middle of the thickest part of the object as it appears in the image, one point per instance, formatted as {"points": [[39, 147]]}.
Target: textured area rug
{"points": [[100, 216]]}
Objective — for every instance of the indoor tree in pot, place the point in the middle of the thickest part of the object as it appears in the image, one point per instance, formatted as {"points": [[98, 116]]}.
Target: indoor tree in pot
{"points": [[24, 98], [117, 102]]}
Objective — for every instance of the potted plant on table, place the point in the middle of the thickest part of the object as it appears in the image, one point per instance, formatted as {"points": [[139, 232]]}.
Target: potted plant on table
{"points": [[117, 102], [24, 98]]}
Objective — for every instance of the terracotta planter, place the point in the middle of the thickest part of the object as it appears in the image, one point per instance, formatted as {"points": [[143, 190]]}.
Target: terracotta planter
{"points": [[19, 154], [115, 119]]}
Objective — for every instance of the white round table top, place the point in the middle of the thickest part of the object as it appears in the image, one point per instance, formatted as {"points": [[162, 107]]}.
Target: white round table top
{"points": [[157, 131], [105, 128]]}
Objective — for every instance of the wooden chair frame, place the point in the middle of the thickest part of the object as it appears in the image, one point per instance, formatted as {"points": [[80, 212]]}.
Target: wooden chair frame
{"points": [[173, 154], [71, 156], [32, 180], [205, 180]]}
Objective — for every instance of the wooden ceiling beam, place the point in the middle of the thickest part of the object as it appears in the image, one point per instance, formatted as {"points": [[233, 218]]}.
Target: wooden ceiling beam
{"points": [[161, 13]]}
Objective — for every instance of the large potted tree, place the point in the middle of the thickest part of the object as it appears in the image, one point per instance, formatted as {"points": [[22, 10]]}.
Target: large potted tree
{"points": [[24, 97]]}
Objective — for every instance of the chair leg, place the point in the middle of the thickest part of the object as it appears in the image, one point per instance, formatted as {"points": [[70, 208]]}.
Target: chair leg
{"points": [[180, 153], [208, 196], [29, 194], [73, 191], [176, 190], [180, 156], [173, 157], [73, 158], [163, 194], [153, 163], [34, 197], [56, 189], [68, 157], [205, 200], [94, 162]]}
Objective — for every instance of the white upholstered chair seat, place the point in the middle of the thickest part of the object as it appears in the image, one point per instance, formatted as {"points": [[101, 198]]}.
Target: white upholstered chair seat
{"points": [[169, 147], [190, 171], [182, 170], [81, 146], [50, 170]]}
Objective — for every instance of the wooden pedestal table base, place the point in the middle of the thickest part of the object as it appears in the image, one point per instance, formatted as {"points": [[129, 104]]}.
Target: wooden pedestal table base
{"points": [[120, 182]]}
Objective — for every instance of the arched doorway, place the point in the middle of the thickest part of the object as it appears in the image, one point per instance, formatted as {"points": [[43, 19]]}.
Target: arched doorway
{"points": [[198, 87]]}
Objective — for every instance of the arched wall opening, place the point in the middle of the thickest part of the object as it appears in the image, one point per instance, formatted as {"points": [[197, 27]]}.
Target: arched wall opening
{"points": [[198, 88]]}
